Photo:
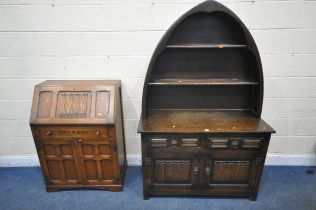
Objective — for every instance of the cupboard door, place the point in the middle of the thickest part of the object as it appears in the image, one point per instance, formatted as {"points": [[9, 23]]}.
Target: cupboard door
{"points": [[176, 171], [173, 161], [98, 162], [228, 169], [59, 162]]}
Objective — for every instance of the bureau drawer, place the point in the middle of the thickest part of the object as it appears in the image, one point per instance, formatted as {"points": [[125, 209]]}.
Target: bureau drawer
{"points": [[234, 143], [61, 132]]}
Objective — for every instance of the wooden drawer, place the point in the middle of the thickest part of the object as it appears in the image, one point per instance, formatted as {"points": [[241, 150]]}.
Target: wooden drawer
{"points": [[73, 132], [234, 143], [174, 141]]}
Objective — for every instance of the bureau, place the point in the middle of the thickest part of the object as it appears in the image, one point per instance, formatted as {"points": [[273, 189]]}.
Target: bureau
{"points": [[201, 127], [78, 132]]}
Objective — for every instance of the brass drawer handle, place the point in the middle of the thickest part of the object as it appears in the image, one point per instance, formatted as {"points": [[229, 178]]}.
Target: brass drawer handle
{"points": [[196, 170], [49, 133], [174, 143], [97, 133], [235, 144]]}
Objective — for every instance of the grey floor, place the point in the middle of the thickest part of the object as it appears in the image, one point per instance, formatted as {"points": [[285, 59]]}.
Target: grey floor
{"points": [[281, 188]]}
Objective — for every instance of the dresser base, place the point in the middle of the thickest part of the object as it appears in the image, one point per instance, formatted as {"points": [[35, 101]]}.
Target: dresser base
{"points": [[203, 164], [202, 193]]}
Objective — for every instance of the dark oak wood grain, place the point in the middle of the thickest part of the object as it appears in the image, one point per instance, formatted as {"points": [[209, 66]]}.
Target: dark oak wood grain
{"points": [[202, 121], [220, 46], [201, 127], [211, 82]]}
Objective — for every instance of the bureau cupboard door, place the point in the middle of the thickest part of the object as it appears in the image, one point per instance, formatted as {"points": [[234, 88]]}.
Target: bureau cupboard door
{"points": [[59, 161], [99, 162]]}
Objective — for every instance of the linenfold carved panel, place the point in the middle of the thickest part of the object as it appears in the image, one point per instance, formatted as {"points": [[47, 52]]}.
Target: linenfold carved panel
{"points": [[73, 104], [231, 171], [177, 171]]}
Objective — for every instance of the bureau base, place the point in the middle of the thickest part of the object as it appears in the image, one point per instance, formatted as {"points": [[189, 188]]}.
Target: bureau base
{"points": [[109, 187], [112, 188]]}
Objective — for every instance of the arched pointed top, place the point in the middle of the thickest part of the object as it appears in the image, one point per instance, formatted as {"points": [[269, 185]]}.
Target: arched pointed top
{"points": [[208, 23], [206, 60]]}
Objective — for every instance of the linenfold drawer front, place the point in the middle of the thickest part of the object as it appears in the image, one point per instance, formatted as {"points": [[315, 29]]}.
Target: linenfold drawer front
{"points": [[74, 102]]}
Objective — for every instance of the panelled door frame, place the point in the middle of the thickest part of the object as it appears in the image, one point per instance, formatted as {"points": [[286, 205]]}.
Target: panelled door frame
{"points": [[44, 158], [251, 173], [165, 154], [112, 157], [254, 155], [78, 157], [194, 176]]}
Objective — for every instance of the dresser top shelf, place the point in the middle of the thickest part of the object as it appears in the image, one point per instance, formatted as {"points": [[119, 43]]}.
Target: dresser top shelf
{"points": [[202, 121], [220, 46], [227, 81]]}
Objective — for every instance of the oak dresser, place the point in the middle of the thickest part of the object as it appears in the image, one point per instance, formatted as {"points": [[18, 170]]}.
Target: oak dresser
{"points": [[201, 127]]}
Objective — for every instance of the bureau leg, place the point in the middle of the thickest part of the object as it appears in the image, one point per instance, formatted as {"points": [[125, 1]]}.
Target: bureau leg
{"points": [[52, 189], [115, 189], [253, 197]]}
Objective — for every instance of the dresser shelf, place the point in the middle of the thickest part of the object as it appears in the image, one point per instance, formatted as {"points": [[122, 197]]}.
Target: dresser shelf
{"points": [[210, 82], [220, 46]]}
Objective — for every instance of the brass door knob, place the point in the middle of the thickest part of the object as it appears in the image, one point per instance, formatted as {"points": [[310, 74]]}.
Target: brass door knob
{"points": [[208, 171], [196, 170]]}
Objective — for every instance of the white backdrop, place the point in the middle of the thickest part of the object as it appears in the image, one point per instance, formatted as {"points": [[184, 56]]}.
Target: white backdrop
{"points": [[101, 39]]}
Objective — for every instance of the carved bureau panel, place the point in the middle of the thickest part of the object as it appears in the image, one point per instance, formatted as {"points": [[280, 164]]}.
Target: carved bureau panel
{"points": [[73, 104]]}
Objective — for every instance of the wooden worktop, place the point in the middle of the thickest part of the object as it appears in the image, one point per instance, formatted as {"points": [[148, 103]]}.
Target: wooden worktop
{"points": [[202, 121]]}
